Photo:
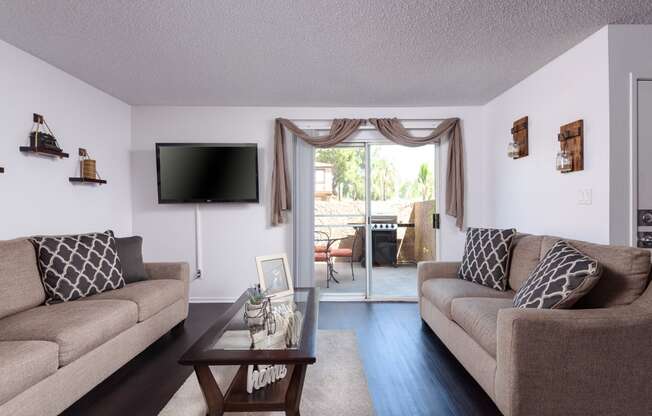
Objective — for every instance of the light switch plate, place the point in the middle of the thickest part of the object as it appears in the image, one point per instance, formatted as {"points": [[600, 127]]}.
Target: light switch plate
{"points": [[585, 196]]}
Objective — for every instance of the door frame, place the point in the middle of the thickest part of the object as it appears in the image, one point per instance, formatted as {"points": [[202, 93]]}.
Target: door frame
{"points": [[634, 79], [409, 124]]}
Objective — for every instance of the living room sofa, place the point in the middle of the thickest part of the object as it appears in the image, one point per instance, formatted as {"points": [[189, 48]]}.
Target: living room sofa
{"points": [[50, 356], [594, 359]]}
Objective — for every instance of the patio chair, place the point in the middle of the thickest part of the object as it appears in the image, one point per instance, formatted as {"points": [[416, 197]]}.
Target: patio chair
{"points": [[344, 253], [323, 244]]}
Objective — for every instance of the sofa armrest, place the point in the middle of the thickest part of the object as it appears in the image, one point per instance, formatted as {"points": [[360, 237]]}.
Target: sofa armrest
{"points": [[171, 270], [435, 269], [574, 362]]}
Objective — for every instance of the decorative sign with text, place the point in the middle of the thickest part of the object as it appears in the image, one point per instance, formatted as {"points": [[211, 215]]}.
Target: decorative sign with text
{"points": [[264, 375]]}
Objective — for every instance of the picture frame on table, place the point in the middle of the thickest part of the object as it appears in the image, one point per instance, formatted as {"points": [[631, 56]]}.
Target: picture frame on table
{"points": [[274, 275]]}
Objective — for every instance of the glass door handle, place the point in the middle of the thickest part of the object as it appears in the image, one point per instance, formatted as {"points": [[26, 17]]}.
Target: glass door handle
{"points": [[435, 221]]}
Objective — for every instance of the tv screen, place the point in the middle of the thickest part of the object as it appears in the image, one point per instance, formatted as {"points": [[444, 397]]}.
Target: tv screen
{"points": [[206, 172]]}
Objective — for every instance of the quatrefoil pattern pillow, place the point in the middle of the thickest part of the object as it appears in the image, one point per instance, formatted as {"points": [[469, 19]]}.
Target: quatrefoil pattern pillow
{"points": [[561, 278], [486, 257], [76, 266]]}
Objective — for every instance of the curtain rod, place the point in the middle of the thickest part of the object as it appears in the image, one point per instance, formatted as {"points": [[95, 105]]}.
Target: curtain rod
{"points": [[365, 118], [409, 123]]}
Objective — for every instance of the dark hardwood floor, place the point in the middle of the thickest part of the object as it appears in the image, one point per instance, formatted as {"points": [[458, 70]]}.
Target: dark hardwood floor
{"points": [[409, 371]]}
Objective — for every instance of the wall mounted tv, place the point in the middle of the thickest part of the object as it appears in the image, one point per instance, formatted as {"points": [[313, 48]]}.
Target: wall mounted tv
{"points": [[206, 172]]}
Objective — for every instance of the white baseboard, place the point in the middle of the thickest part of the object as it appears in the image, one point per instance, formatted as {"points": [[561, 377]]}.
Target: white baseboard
{"points": [[219, 299]]}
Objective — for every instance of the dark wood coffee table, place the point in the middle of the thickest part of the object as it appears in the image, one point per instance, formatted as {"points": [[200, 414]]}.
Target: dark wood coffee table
{"points": [[213, 349]]}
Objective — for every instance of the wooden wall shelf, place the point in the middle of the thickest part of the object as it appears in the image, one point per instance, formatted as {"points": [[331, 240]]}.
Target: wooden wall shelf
{"points": [[42, 151], [90, 181]]}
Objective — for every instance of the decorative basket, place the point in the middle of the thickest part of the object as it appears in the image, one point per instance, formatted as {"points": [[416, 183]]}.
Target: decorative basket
{"points": [[88, 169]]}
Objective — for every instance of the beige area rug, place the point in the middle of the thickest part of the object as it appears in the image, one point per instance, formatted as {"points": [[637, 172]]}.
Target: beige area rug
{"points": [[334, 385]]}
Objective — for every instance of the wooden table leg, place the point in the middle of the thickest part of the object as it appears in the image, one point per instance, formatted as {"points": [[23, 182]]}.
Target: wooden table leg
{"points": [[212, 394], [293, 395]]}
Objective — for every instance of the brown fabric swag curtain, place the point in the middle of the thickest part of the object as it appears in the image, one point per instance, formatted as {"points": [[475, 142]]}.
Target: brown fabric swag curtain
{"points": [[392, 129], [341, 129]]}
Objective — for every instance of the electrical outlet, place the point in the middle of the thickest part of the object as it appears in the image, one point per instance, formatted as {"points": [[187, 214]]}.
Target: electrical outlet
{"points": [[585, 196]]}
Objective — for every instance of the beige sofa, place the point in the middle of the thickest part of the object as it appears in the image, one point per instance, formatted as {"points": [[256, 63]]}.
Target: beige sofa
{"points": [[594, 359], [50, 356]]}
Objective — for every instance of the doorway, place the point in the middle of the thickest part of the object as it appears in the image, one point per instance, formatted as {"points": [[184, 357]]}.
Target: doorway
{"points": [[375, 217]]}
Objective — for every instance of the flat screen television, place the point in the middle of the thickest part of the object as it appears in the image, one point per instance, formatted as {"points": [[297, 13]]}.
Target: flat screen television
{"points": [[206, 172]]}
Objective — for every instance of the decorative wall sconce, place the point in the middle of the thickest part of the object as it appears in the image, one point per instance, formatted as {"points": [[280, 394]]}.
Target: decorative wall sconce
{"points": [[571, 153], [518, 147]]}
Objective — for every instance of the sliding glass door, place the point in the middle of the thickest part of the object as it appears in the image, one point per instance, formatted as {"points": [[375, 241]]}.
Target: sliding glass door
{"points": [[402, 208], [340, 212], [374, 210]]}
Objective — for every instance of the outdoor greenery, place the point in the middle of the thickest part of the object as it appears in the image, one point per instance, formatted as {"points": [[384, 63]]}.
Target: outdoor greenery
{"points": [[348, 171], [425, 182], [348, 176]]}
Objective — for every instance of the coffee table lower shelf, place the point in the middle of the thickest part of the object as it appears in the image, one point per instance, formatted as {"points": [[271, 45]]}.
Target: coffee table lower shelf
{"points": [[283, 395]]}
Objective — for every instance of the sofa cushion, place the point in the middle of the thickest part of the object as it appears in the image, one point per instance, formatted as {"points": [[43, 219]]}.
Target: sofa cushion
{"points": [[25, 363], [486, 257], [526, 253], [441, 292], [76, 266], [561, 278], [151, 296], [77, 327], [130, 252], [479, 319], [625, 273], [20, 282]]}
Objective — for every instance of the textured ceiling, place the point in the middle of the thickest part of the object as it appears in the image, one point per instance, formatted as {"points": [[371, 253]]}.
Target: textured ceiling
{"points": [[299, 53]]}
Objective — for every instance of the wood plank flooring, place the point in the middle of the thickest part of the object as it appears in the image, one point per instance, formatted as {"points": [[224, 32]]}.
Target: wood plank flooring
{"points": [[409, 371]]}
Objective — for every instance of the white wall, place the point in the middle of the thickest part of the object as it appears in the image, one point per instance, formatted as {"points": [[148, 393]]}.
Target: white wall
{"points": [[233, 235], [528, 193], [590, 81], [630, 51], [35, 194]]}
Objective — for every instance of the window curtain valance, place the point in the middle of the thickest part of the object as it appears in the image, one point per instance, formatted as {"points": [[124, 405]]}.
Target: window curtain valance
{"points": [[340, 130], [392, 129]]}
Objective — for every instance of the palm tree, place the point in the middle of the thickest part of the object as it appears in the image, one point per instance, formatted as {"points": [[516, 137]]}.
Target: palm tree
{"points": [[383, 180], [424, 181]]}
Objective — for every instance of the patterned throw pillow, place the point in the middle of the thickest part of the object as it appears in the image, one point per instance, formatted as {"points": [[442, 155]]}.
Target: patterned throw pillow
{"points": [[560, 279], [486, 257], [76, 266]]}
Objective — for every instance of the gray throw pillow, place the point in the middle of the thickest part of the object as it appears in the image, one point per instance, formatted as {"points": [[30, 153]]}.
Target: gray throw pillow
{"points": [[561, 278], [76, 266], [486, 257], [130, 251]]}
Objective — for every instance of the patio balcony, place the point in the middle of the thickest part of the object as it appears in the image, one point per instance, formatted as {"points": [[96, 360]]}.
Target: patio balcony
{"points": [[408, 239]]}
